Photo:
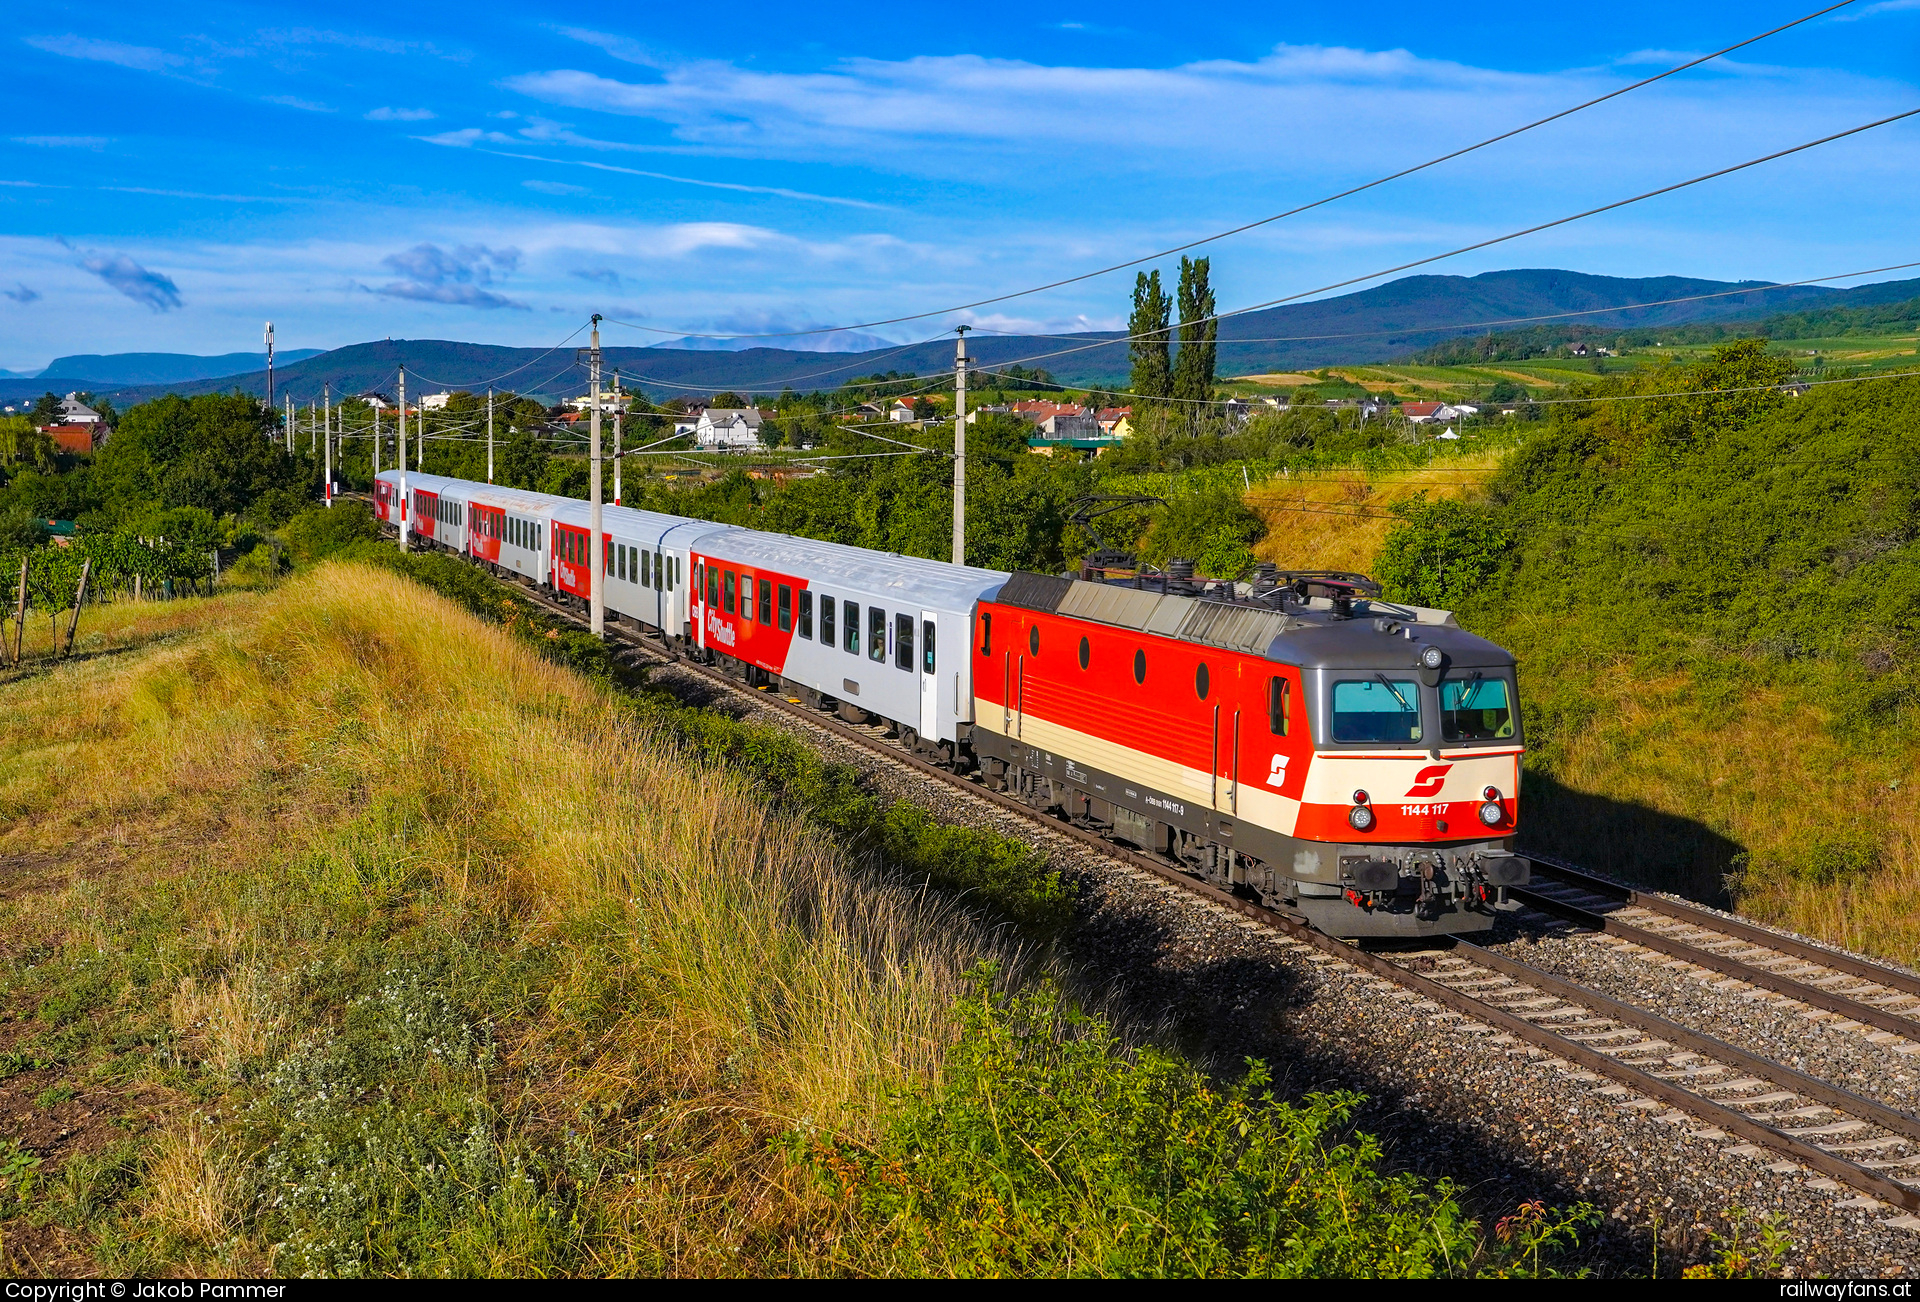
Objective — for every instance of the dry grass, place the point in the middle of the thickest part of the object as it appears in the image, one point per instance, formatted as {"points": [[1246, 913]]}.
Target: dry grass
{"points": [[350, 757], [1337, 519]]}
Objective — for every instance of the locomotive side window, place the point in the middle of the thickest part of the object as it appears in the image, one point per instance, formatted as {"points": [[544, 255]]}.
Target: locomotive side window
{"points": [[926, 645], [806, 613], [1033, 640], [826, 621], [1475, 709], [1140, 667], [1200, 681], [1279, 705], [850, 619], [1378, 709], [903, 642], [986, 633], [1086, 652], [786, 609], [876, 634], [766, 602]]}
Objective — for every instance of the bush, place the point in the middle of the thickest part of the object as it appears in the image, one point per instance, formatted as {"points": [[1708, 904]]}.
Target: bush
{"points": [[320, 531], [257, 568], [1441, 553], [1051, 1150]]}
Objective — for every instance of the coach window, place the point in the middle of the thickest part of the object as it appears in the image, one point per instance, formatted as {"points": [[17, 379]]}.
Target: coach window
{"points": [[806, 613], [1279, 705], [826, 621], [986, 633], [903, 642], [538, 540], [926, 645], [1033, 640], [850, 622], [606, 559], [786, 609], [766, 602], [1140, 667], [876, 634], [746, 596], [1200, 681], [1086, 652], [729, 584]]}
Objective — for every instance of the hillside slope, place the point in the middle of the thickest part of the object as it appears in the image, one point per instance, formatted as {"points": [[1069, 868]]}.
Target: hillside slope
{"points": [[1374, 324]]}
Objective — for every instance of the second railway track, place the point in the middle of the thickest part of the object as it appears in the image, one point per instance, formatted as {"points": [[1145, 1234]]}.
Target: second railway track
{"points": [[1653, 1063]]}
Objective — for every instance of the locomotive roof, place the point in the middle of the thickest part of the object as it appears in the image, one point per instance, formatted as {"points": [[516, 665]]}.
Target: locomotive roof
{"points": [[1312, 633], [932, 583]]}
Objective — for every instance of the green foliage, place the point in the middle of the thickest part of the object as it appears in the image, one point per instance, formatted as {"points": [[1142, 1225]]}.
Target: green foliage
{"points": [[1051, 1150], [1152, 375], [1193, 365], [1211, 527], [22, 447], [1442, 553], [1755, 1247], [321, 531], [214, 451]]}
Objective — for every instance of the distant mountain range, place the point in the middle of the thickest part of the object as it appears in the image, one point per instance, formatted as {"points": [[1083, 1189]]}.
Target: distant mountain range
{"points": [[124, 370], [1373, 325]]}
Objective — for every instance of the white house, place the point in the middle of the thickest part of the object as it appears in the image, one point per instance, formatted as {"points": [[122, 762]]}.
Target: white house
{"points": [[901, 413], [75, 412], [728, 427], [434, 401]]}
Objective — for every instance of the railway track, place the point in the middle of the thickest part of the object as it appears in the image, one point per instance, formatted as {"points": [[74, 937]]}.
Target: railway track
{"points": [[1651, 1063]]}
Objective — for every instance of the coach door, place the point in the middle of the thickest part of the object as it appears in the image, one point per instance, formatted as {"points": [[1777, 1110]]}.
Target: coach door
{"points": [[929, 678]]}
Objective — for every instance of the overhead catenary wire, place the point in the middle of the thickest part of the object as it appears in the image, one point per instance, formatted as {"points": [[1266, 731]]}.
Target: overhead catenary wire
{"points": [[1291, 212]]}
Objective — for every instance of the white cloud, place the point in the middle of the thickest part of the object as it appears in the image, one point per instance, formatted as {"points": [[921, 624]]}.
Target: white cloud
{"points": [[63, 142], [295, 102], [555, 187], [400, 115], [142, 57], [1305, 111]]}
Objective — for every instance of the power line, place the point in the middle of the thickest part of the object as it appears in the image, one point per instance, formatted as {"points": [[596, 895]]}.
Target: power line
{"points": [[1291, 212], [1480, 244]]}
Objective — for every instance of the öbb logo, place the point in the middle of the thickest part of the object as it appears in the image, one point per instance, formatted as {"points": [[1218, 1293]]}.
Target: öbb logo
{"points": [[1429, 780]]}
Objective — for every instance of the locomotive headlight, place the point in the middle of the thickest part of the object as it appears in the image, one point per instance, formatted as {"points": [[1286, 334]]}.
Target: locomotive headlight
{"points": [[1360, 818], [1431, 657], [1491, 813]]}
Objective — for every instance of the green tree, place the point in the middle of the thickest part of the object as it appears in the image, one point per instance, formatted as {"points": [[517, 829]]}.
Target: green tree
{"points": [[22, 447], [1152, 367], [522, 461], [1442, 553], [1193, 366], [727, 399]]}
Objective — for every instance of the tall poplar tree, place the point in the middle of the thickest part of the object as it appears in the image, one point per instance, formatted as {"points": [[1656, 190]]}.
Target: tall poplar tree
{"points": [[1152, 370], [1193, 366]]}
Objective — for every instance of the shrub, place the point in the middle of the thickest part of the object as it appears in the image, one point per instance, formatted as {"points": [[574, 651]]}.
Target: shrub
{"points": [[1442, 553], [1051, 1150]]}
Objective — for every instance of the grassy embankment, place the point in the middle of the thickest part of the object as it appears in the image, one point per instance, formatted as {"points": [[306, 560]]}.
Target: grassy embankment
{"points": [[346, 933], [1713, 602]]}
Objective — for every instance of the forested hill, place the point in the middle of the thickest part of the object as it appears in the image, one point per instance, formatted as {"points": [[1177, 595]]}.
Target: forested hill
{"points": [[1375, 324], [1866, 316]]}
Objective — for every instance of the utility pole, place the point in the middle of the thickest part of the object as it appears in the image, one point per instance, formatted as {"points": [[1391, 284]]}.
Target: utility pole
{"points": [[327, 472], [289, 424], [269, 366], [596, 554], [489, 435], [619, 410], [960, 360], [403, 458], [376, 442], [313, 428]]}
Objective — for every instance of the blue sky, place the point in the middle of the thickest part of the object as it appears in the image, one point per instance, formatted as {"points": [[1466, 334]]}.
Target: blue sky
{"points": [[172, 178]]}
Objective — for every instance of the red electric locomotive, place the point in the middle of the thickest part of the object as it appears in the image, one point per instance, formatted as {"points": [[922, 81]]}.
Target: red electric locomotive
{"points": [[1353, 761]]}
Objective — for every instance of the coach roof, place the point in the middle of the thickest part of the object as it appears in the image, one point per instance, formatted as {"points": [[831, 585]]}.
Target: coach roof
{"points": [[906, 578]]}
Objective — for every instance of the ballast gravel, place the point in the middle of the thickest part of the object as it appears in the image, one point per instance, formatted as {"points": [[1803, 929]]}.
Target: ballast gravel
{"points": [[1448, 1096]]}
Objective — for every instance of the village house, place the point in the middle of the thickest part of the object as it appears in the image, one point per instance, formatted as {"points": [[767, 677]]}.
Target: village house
{"points": [[728, 428]]}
